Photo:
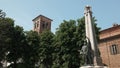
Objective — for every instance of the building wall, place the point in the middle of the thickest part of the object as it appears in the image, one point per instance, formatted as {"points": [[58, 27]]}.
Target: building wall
{"points": [[45, 20], [41, 23], [109, 37]]}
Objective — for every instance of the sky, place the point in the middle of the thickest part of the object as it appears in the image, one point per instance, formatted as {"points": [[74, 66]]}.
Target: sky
{"points": [[107, 12]]}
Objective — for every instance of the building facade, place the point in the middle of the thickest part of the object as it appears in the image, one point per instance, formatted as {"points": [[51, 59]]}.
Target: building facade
{"points": [[109, 46], [41, 23]]}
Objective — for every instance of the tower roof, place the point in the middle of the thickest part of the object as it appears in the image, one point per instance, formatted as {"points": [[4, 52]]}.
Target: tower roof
{"points": [[42, 16]]}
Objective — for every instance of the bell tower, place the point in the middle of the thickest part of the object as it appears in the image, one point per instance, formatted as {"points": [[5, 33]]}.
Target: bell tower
{"points": [[41, 23]]}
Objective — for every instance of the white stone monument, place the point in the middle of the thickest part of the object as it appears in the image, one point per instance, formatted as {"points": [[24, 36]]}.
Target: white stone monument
{"points": [[91, 38]]}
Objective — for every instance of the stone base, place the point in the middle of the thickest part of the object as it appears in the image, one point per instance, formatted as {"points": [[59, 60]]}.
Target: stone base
{"points": [[93, 67]]}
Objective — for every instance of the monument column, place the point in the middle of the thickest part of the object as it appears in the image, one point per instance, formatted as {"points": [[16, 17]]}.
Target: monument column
{"points": [[91, 36]]}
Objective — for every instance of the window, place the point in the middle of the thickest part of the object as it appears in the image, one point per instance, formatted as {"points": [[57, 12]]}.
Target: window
{"points": [[37, 23], [114, 49], [46, 25], [43, 25]]}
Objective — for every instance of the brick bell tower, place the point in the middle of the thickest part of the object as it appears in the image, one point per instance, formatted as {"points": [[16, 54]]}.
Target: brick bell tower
{"points": [[41, 23]]}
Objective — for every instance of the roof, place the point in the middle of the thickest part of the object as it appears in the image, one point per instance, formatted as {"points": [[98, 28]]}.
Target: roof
{"points": [[110, 29], [110, 32], [42, 16]]}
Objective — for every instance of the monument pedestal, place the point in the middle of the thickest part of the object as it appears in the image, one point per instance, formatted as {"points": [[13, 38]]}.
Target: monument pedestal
{"points": [[93, 67]]}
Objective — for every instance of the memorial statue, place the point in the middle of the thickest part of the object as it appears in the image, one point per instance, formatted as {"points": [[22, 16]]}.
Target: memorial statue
{"points": [[89, 50], [87, 53]]}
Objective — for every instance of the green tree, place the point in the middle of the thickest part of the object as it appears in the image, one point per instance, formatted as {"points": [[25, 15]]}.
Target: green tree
{"points": [[67, 55], [6, 27], [69, 39], [80, 36], [11, 40], [16, 48], [31, 50], [2, 14], [46, 49]]}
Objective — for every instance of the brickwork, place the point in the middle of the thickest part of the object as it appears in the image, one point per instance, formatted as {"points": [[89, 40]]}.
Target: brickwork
{"points": [[109, 37], [41, 23], [115, 30]]}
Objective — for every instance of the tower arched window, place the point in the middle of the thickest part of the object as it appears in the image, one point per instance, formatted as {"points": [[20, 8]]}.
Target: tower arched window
{"points": [[43, 25], [46, 25], [37, 23]]}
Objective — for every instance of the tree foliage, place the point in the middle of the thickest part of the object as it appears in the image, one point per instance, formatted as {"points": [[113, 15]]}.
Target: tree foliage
{"points": [[2, 14], [31, 49], [15, 50], [46, 49], [17, 47], [69, 39], [67, 55], [6, 27]]}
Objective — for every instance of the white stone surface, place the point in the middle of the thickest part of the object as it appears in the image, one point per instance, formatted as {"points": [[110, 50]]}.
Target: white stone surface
{"points": [[93, 67], [91, 36]]}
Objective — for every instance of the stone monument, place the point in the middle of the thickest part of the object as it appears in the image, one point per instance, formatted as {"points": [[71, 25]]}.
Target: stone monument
{"points": [[92, 55]]}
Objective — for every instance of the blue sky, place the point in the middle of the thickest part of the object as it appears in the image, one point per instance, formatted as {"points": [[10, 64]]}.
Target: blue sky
{"points": [[106, 12]]}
